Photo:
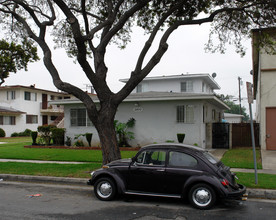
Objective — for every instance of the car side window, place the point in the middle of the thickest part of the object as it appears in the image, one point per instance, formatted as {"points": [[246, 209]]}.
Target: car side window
{"points": [[152, 157], [181, 159]]}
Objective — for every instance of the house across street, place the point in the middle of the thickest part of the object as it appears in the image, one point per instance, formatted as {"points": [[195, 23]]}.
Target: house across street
{"points": [[162, 107]]}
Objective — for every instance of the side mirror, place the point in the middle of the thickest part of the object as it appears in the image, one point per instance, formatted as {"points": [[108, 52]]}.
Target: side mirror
{"points": [[134, 162]]}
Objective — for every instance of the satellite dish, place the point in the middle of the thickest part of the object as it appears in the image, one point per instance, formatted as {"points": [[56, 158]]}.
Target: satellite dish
{"points": [[214, 75]]}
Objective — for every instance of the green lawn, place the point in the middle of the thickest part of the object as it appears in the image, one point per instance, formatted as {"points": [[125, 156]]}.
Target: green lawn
{"points": [[17, 140], [58, 170], [17, 151], [265, 181], [14, 149], [241, 158]]}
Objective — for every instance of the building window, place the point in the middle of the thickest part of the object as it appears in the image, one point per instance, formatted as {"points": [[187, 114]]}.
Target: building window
{"points": [[186, 86], [213, 114], [27, 96], [185, 114], [203, 87], [31, 119], [139, 88], [30, 96], [7, 120], [10, 95], [79, 117]]}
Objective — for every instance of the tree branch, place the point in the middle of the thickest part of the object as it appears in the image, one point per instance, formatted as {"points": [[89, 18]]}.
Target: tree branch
{"points": [[139, 74], [107, 37]]}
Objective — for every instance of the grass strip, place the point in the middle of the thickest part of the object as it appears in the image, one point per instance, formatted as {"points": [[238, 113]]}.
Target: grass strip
{"points": [[57, 170], [16, 140], [17, 151], [265, 181], [241, 158]]}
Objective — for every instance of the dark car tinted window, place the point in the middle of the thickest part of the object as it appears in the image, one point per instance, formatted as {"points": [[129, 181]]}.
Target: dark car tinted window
{"points": [[181, 159], [151, 157]]}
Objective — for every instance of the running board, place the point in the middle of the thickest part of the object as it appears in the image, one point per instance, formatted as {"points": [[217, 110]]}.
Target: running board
{"points": [[153, 194]]}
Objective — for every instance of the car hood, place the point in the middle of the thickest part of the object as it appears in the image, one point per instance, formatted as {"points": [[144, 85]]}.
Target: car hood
{"points": [[122, 162]]}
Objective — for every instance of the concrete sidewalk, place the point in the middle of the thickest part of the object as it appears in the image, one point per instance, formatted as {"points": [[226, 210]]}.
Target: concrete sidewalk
{"points": [[268, 159]]}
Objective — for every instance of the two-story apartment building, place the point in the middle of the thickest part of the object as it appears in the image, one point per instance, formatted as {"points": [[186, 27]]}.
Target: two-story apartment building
{"points": [[184, 83], [162, 107], [24, 107]]}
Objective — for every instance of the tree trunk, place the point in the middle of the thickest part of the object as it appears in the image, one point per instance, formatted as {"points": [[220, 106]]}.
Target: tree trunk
{"points": [[108, 139]]}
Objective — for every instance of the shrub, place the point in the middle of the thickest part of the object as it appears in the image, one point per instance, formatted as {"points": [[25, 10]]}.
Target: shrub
{"points": [[123, 134], [180, 137], [2, 132], [169, 141], [21, 134], [27, 132], [34, 136], [45, 132], [58, 135], [68, 141], [89, 138], [79, 143], [14, 134]]}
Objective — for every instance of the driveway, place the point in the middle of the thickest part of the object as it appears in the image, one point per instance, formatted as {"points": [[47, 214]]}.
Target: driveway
{"points": [[269, 159]]}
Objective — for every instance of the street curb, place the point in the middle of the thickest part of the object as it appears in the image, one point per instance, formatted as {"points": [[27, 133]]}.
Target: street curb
{"points": [[252, 193], [261, 193], [44, 179]]}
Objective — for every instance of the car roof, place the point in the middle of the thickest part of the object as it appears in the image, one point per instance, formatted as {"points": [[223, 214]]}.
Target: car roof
{"points": [[174, 146]]}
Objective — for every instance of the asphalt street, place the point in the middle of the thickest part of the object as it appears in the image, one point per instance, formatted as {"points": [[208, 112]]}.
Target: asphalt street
{"points": [[49, 201]]}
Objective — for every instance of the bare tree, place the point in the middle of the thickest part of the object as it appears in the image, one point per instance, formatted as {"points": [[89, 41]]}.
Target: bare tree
{"points": [[86, 27]]}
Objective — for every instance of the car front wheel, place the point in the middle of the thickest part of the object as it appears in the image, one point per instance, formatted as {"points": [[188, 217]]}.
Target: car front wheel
{"points": [[105, 189], [202, 196]]}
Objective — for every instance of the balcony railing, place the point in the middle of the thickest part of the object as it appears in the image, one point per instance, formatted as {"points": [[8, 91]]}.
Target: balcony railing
{"points": [[52, 109]]}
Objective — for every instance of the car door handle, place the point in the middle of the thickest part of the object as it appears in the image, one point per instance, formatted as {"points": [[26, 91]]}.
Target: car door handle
{"points": [[161, 170]]}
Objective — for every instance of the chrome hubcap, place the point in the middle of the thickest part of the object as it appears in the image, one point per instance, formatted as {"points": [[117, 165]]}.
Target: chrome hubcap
{"points": [[104, 189], [202, 197]]}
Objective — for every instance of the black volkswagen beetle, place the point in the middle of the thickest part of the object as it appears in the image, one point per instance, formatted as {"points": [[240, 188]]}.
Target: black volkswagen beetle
{"points": [[169, 170]]}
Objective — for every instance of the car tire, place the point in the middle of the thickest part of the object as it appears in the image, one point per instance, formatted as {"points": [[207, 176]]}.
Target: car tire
{"points": [[202, 196], [105, 189]]}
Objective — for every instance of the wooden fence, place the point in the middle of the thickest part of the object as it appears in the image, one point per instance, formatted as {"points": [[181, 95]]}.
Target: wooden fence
{"points": [[241, 135]]}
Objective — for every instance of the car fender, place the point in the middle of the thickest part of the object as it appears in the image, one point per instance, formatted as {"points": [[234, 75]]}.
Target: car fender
{"points": [[113, 174], [213, 181]]}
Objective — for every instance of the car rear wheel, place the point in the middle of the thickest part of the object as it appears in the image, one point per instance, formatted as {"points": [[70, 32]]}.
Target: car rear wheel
{"points": [[202, 196], [105, 189]]}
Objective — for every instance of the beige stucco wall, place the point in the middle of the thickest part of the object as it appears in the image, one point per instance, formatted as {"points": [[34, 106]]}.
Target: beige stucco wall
{"points": [[267, 92]]}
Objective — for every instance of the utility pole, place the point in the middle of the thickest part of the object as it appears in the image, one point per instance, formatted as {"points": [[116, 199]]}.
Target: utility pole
{"points": [[239, 79]]}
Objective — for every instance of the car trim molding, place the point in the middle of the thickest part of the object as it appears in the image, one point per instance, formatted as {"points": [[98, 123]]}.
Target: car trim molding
{"points": [[152, 194]]}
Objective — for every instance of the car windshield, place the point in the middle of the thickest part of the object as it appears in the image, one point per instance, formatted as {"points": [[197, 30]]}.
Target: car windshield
{"points": [[210, 157]]}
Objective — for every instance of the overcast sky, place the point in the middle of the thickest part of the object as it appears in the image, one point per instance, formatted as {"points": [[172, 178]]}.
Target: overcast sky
{"points": [[185, 55]]}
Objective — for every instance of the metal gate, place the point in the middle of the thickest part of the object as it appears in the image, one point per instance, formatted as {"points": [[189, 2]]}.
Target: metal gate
{"points": [[220, 135]]}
